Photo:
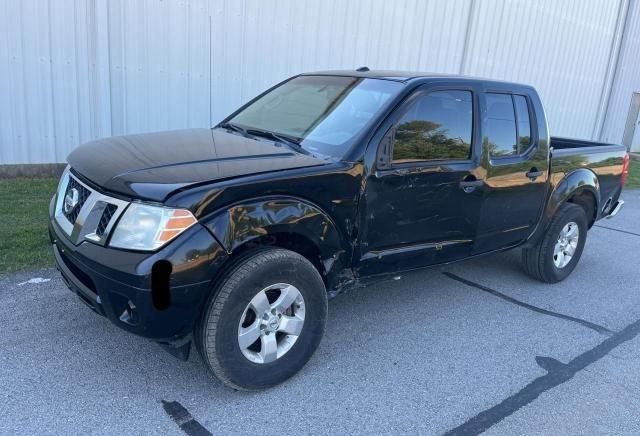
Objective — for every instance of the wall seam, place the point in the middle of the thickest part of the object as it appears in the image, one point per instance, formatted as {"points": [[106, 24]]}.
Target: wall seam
{"points": [[622, 21], [54, 133], [210, 71], [467, 37], [109, 79]]}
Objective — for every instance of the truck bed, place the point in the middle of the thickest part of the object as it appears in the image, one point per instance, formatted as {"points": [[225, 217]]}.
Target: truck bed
{"points": [[604, 160], [559, 143]]}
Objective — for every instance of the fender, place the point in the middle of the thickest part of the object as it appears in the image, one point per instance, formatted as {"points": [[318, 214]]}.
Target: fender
{"points": [[579, 180], [242, 222]]}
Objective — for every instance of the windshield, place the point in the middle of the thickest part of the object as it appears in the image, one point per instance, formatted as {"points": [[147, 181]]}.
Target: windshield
{"points": [[323, 114]]}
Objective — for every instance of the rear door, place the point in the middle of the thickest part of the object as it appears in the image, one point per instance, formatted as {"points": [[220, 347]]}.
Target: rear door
{"points": [[423, 207], [515, 147]]}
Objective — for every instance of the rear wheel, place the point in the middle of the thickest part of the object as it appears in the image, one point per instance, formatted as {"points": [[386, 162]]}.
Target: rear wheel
{"points": [[265, 320], [554, 257]]}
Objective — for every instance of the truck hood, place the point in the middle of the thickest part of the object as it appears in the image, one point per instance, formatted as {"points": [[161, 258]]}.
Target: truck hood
{"points": [[153, 165]]}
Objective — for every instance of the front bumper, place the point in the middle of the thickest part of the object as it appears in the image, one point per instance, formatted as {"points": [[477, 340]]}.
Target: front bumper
{"points": [[120, 284]]}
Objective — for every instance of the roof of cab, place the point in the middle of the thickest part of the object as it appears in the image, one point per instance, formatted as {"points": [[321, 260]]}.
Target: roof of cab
{"points": [[404, 76]]}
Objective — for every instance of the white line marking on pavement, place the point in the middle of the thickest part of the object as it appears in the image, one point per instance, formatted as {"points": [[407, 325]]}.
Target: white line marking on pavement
{"points": [[34, 280]]}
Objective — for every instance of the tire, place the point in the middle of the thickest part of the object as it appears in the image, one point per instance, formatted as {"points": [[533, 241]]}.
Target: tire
{"points": [[248, 280], [540, 260]]}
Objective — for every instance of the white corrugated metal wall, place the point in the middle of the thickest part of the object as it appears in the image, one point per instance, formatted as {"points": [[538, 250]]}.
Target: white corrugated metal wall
{"points": [[627, 80], [76, 70]]}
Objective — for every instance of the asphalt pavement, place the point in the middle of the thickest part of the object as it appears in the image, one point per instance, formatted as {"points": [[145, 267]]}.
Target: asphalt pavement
{"points": [[471, 347]]}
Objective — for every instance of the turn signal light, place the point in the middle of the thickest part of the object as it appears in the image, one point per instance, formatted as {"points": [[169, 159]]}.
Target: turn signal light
{"points": [[180, 221], [625, 169]]}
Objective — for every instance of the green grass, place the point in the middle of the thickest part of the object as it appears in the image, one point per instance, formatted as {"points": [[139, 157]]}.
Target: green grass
{"points": [[24, 214], [634, 173]]}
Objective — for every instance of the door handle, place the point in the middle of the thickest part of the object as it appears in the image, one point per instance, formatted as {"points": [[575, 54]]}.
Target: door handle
{"points": [[533, 174], [469, 186]]}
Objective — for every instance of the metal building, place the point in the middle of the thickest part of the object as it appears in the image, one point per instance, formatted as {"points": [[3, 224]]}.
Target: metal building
{"points": [[72, 71]]}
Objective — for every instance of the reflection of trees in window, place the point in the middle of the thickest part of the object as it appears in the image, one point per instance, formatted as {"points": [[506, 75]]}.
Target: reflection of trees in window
{"points": [[426, 140], [497, 151]]}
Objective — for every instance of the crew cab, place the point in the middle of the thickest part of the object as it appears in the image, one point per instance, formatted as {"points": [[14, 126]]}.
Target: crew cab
{"points": [[233, 238]]}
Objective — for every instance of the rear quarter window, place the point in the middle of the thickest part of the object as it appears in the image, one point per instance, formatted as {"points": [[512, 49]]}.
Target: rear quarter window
{"points": [[524, 124]]}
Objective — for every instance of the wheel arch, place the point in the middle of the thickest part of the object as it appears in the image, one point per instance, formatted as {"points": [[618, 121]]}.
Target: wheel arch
{"points": [[581, 187], [284, 222], [585, 198]]}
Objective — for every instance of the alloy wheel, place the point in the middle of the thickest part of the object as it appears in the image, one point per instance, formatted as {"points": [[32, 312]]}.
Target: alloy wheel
{"points": [[271, 323], [566, 245]]}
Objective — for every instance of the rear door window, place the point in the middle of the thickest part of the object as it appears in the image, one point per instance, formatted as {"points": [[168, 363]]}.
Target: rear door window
{"points": [[500, 126]]}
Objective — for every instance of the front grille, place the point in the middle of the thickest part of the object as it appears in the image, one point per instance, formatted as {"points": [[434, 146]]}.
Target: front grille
{"points": [[109, 210], [99, 211], [83, 194]]}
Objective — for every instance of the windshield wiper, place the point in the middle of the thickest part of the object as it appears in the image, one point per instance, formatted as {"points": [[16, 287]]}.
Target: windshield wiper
{"points": [[234, 127], [278, 137]]}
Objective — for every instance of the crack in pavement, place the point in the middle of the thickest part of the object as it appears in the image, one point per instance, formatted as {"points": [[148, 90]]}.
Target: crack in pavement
{"points": [[584, 323], [617, 230], [183, 418], [557, 374]]}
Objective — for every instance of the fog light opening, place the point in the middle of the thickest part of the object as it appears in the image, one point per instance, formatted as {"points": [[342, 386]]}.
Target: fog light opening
{"points": [[160, 290]]}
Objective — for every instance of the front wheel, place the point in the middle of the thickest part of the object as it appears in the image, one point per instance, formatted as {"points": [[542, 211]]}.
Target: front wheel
{"points": [[553, 258], [264, 321]]}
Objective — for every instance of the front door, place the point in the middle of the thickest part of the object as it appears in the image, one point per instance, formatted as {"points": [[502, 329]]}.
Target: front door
{"points": [[423, 207]]}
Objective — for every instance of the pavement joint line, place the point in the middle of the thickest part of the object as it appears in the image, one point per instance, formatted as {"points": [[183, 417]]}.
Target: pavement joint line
{"points": [[617, 230], [183, 418], [557, 374], [584, 323]]}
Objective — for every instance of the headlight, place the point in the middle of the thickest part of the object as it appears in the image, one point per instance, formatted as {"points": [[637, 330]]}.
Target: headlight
{"points": [[145, 227]]}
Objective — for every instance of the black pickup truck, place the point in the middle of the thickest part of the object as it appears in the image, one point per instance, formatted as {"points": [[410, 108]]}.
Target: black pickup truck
{"points": [[234, 238]]}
